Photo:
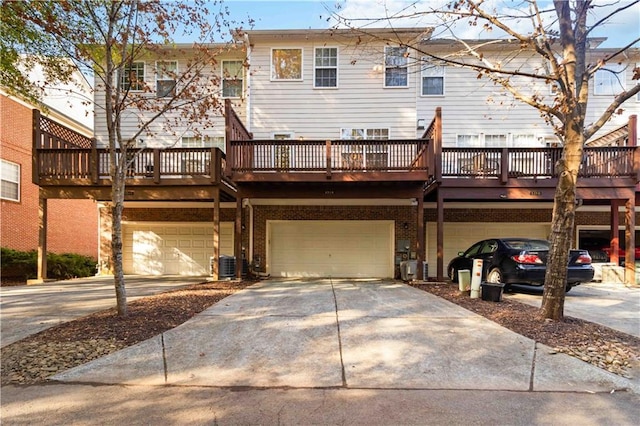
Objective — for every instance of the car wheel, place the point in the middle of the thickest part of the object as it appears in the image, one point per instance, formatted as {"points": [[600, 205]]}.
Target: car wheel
{"points": [[494, 276], [453, 275]]}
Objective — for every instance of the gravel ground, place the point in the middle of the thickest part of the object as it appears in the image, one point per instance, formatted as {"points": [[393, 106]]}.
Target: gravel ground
{"points": [[34, 359]]}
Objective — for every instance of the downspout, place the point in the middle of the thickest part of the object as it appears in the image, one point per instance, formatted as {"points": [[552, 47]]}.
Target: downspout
{"points": [[250, 253]]}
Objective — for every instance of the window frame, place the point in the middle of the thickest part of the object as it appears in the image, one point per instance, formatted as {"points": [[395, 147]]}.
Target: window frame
{"points": [[18, 169], [225, 77], [317, 67], [366, 154], [160, 73], [125, 79], [273, 76], [504, 136], [615, 76], [204, 141], [388, 67], [429, 64]]}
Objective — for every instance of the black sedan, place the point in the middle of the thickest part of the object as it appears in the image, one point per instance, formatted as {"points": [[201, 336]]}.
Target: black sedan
{"points": [[519, 261]]}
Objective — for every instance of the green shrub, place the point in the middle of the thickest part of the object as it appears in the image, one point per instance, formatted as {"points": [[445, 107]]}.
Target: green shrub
{"points": [[24, 265], [18, 264]]}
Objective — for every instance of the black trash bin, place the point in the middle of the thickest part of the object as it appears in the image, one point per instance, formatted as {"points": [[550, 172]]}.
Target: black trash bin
{"points": [[492, 292]]}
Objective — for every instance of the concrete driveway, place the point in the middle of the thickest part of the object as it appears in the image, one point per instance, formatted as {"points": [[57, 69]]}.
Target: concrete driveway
{"points": [[612, 305], [26, 310], [343, 334], [330, 352]]}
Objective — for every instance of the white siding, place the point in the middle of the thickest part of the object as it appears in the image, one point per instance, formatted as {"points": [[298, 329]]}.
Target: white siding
{"points": [[359, 101], [472, 105], [167, 131]]}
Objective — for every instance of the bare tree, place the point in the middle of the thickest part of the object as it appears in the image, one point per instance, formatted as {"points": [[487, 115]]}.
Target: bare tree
{"points": [[108, 38], [558, 37]]}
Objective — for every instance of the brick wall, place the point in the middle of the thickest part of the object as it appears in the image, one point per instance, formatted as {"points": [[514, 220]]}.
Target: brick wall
{"points": [[72, 224], [403, 216]]}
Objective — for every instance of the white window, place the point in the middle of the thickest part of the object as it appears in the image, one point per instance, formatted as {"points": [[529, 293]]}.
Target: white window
{"points": [[326, 67], [609, 80], [232, 79], [495, 141], [482, 141], [525, 141], [279, 136], [203, 142], [468, 141], [132, 77], [432, 78], [365, 155], [286, 64], [10, 181], [166, 73], [395, 67]]}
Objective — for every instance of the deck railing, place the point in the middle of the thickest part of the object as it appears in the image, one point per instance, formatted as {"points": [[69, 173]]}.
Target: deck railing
{"points": [[261, 156], [255, 156], [601, 162], [340, 156], [94, 164]]}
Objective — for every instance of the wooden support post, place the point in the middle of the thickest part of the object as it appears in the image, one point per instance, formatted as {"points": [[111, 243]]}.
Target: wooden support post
{"points": [[42, 238], [420, 249], [228, 127], [504, 166], [36, 144], [440, 236], [614, 224], [237, 252], [328, 158], [156, 166], [216, 235], [93, 161], [630, 242], [437, 141], [215, 166]]}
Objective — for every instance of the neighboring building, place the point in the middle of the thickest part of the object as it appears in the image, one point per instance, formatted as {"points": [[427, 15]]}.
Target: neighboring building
{"points": [[72, 223], [332, 173]]}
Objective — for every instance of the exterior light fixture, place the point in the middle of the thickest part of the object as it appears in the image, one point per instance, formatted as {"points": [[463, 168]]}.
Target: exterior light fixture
{"points": [[421, 123]]}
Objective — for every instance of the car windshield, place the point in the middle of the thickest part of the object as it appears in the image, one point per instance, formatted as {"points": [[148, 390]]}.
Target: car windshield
{"points": [[527, 244]]}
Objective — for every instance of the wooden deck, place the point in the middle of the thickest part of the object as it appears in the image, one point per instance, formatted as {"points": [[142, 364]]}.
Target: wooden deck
{"points": [[69, 164]]}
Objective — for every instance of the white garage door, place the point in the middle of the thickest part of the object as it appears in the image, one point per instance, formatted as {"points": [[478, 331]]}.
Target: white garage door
{"points": [[460, 236], [163, 248], [313, 248]]}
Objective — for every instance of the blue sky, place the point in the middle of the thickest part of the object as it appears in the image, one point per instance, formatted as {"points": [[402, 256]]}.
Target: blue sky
{"points": [[301, 14]]}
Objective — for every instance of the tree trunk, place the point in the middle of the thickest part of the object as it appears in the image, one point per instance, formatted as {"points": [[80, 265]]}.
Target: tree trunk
{"points": [[562, 224], [116, 242]]}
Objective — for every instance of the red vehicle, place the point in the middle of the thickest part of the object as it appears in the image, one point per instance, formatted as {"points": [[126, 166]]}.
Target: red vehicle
{"points": [[621, 252]]}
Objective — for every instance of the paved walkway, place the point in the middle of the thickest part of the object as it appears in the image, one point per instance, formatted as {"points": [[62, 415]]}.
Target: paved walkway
{"points": [[26, 310], [612, 305]]}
